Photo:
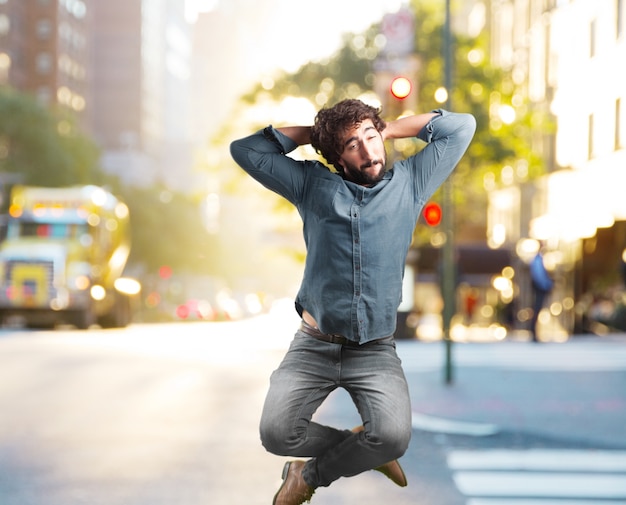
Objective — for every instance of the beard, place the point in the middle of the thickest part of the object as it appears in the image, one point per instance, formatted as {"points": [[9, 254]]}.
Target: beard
{"points": [[363, 175]]}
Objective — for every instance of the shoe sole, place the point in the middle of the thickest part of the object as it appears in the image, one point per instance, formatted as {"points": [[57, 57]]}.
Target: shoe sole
{"points": [[286, 469]]}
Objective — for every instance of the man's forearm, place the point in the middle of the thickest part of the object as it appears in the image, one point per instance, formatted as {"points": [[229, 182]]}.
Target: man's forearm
{"points": [[301, 135], [407, 127]]}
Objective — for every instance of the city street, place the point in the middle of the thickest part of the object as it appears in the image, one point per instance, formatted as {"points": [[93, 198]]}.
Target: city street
{"points": [[168, 414]]}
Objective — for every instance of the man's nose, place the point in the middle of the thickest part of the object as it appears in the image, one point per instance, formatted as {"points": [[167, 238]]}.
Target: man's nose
{"points": [[368, 152]]}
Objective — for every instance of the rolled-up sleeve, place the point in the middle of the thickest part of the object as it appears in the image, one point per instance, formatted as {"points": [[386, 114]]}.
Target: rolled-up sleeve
{"points": [[262, 155], [448, 135]]}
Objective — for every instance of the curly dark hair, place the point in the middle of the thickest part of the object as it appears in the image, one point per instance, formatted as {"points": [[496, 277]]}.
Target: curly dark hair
{"points": [[331, 124]]}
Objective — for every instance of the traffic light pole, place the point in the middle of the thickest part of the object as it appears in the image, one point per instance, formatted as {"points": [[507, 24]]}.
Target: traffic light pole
{"points": [[448, 271]]}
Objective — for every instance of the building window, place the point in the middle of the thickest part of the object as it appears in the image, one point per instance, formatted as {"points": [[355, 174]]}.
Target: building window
{"points": [[77, 8], [549, 5], [592, 38], [44, 29], [619, 142], [590, 138], [5, 66], [44, 95], [5, 24], [43, 63]]}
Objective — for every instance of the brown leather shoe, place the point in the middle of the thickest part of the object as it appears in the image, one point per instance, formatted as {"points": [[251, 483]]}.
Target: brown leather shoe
{"points": [[392, 470], [294, 490]]}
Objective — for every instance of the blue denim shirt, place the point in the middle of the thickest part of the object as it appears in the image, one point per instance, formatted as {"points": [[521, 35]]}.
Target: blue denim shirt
{"points": [[357, 237]]}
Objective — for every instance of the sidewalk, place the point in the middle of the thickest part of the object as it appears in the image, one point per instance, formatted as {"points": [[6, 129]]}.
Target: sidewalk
{"points": [[574, 390]]}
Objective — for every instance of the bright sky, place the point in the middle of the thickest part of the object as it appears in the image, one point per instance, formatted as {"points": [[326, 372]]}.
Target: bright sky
{"points": [[305, 30], [263, 36]]}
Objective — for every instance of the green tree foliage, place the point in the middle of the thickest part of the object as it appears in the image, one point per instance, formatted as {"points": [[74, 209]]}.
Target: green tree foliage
{"points": [[41, 146], [498, 146], [44, 147], [167, 229], [347, 74]]}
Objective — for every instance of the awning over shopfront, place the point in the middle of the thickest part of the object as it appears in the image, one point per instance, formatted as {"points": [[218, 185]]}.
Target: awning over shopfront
{"points": [[472, 261], [579, 202]]}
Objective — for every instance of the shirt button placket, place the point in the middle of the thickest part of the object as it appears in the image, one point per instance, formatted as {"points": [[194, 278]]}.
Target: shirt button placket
{"points": [[356, 259]]}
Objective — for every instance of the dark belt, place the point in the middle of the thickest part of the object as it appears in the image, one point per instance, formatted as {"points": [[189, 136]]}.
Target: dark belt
{"points": [[331, 338]]}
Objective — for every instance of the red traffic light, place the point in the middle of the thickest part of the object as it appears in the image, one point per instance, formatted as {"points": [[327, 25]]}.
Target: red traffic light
{"points": [[432, 213], [165, 272], [401, 87]]}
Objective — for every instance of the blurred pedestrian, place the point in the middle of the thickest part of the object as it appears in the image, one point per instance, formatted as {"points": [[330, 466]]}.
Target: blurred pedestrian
{"points": [[358, 226], [542, 284], [470, 300]]}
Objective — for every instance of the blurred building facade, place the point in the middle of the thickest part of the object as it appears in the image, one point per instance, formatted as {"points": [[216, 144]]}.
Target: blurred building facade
{"points": [[45, 50], [566, 57], [141, 78], [213, 97], [122, 66]]}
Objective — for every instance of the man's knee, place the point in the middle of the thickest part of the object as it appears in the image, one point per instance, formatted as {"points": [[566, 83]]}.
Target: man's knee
{"points": [[392, 441], [277, 437], [398, 444]]}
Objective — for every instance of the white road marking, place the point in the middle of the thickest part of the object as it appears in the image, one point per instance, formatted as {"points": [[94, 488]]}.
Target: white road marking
{"points": [[451, 427], [539, 476], [539, 460], [544, 485]]}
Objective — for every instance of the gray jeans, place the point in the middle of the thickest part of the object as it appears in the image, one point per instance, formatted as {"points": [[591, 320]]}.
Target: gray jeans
{"points": [[310, 371]]}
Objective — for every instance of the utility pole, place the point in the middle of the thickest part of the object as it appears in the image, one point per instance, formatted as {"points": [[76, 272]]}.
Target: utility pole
{"points": [[448, 271]]}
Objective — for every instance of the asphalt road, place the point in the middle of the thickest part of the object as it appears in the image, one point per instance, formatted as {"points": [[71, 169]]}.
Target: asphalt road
{"points": [[168, 414]]}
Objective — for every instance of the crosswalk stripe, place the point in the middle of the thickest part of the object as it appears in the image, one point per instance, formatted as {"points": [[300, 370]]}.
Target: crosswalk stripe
{"points": [[542, 485], [524, 501], [539, 476], [539, 460]]}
